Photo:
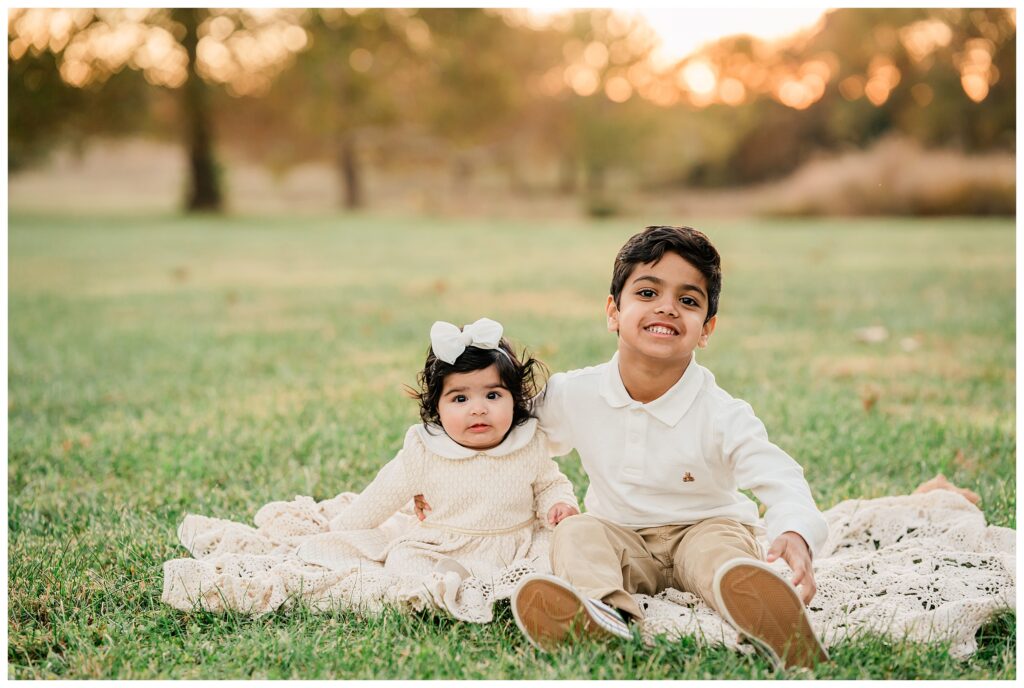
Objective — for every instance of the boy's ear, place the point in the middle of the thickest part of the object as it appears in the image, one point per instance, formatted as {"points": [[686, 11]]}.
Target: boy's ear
{"points": [[705, 332], [613, 314]]}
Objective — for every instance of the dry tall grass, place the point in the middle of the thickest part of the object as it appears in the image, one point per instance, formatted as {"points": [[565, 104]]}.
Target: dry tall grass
{"points": [[897, 177], [894, 177]]}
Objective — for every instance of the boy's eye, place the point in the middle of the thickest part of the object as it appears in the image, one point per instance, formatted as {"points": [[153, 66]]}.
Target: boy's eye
{"points": [[646, 293], [689, 301]]}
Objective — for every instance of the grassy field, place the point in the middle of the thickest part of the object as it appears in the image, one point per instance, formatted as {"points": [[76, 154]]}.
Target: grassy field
{"points": [[159, 366]]}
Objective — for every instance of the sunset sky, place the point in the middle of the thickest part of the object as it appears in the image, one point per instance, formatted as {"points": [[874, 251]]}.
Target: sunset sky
{"points": [[684, 30]]}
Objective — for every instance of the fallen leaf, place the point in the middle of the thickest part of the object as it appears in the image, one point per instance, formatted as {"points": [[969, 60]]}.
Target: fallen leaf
{"points": [[875, 334], [869, 398], [963, 461], [909, 344]]}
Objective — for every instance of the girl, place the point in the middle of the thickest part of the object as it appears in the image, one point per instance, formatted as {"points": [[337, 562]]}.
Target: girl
{"points": [[478, 458]]}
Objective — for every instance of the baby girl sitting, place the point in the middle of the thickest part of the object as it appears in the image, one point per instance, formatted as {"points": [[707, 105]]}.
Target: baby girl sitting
{"points": [[477, 457]]}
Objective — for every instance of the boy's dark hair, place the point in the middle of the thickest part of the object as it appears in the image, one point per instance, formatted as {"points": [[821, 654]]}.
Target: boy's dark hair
{"points": [[650, 245], [523, 379]]}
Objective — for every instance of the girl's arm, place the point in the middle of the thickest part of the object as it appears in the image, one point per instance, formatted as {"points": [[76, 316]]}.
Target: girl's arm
{"points": [[551, 487], [388, 493]]}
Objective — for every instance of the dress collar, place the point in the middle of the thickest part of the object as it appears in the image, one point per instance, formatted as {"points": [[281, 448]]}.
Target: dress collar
{"points": [[670, 407], [437, 441]]}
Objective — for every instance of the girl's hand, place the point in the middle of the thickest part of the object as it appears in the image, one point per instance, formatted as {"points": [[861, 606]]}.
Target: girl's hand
{"points": [[421, 507], [560, 511]]}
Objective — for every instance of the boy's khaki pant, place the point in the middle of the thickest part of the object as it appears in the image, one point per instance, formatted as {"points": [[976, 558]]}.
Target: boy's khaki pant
{"points": [[607, 561]]}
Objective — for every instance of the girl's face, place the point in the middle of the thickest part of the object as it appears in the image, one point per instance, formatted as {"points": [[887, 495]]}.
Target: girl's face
{"points": [[475, 408]]}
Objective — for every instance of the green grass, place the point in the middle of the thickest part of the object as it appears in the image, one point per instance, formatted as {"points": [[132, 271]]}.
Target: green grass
{"points": [[159, 366]]}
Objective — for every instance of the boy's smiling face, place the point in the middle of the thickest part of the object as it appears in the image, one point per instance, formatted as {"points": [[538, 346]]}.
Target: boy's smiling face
{"points": [[661, 311]]}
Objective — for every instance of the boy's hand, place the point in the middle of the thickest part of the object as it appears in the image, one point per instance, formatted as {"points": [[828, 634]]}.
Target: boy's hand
{"points": [[793, 548], [560, 511], [421, 507]]}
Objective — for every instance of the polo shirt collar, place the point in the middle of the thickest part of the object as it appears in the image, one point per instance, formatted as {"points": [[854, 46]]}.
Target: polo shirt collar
{"points": [[669, 408], [437, 441]]}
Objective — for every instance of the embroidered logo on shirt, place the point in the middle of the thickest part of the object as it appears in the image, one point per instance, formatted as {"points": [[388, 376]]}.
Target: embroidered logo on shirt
{"points": [[688, 478]]}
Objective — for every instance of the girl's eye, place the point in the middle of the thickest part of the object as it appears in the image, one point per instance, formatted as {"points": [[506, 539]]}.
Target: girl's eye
{"points": [[493, 395], [459, 398], [645, 293]]}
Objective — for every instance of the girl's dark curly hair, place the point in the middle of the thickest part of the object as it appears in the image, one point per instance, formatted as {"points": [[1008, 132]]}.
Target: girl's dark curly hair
{"points": [[523, 379]]}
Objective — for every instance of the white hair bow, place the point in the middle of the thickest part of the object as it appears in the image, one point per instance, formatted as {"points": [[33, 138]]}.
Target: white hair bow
{"points": [[448, 342]]}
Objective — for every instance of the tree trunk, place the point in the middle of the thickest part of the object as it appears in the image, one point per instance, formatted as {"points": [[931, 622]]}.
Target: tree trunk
{"points": [[516, 181], [595, 178], [567, 174], [204, 193], [462, 172], [348, 166]]}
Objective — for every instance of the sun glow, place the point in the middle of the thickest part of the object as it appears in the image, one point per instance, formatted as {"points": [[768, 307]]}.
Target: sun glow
{"points": [[673, 68], [684, 31]]}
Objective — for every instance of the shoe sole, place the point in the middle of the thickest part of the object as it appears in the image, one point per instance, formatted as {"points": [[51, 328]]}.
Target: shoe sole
{"points": [[547, 613], [766, 608]]}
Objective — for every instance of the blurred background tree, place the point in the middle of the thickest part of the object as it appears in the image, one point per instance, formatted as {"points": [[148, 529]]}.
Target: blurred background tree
{"points": [[182, 49], [577, 103], [348, 87], [475, 90], [45, 109], [938, 76], [608, 128]]}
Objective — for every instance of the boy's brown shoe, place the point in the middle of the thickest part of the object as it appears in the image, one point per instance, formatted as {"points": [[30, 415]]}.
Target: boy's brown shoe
{"points": [[764, 607], [549, 611]]}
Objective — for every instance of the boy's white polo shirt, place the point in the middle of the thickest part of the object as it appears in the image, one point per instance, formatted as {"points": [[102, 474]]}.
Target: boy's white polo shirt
{"points": [[679, 459]]}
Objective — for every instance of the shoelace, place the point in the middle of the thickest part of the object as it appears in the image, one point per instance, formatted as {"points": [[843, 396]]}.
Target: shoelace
{"points": [[609, 617]]}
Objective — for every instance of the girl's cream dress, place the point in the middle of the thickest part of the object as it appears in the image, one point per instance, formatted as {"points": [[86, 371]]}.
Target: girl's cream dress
{"points": [[487, 528]]}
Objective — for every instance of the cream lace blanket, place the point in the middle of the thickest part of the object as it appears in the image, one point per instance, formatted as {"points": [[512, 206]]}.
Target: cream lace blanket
{"points": [[925, 567]]}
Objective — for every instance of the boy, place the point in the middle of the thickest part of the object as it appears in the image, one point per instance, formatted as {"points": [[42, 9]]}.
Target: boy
{"points": [[667, 452]]}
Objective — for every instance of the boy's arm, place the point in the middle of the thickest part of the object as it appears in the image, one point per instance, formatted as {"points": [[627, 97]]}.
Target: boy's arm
{"points": [[771, 474], [550, 408], [388, 493]]}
